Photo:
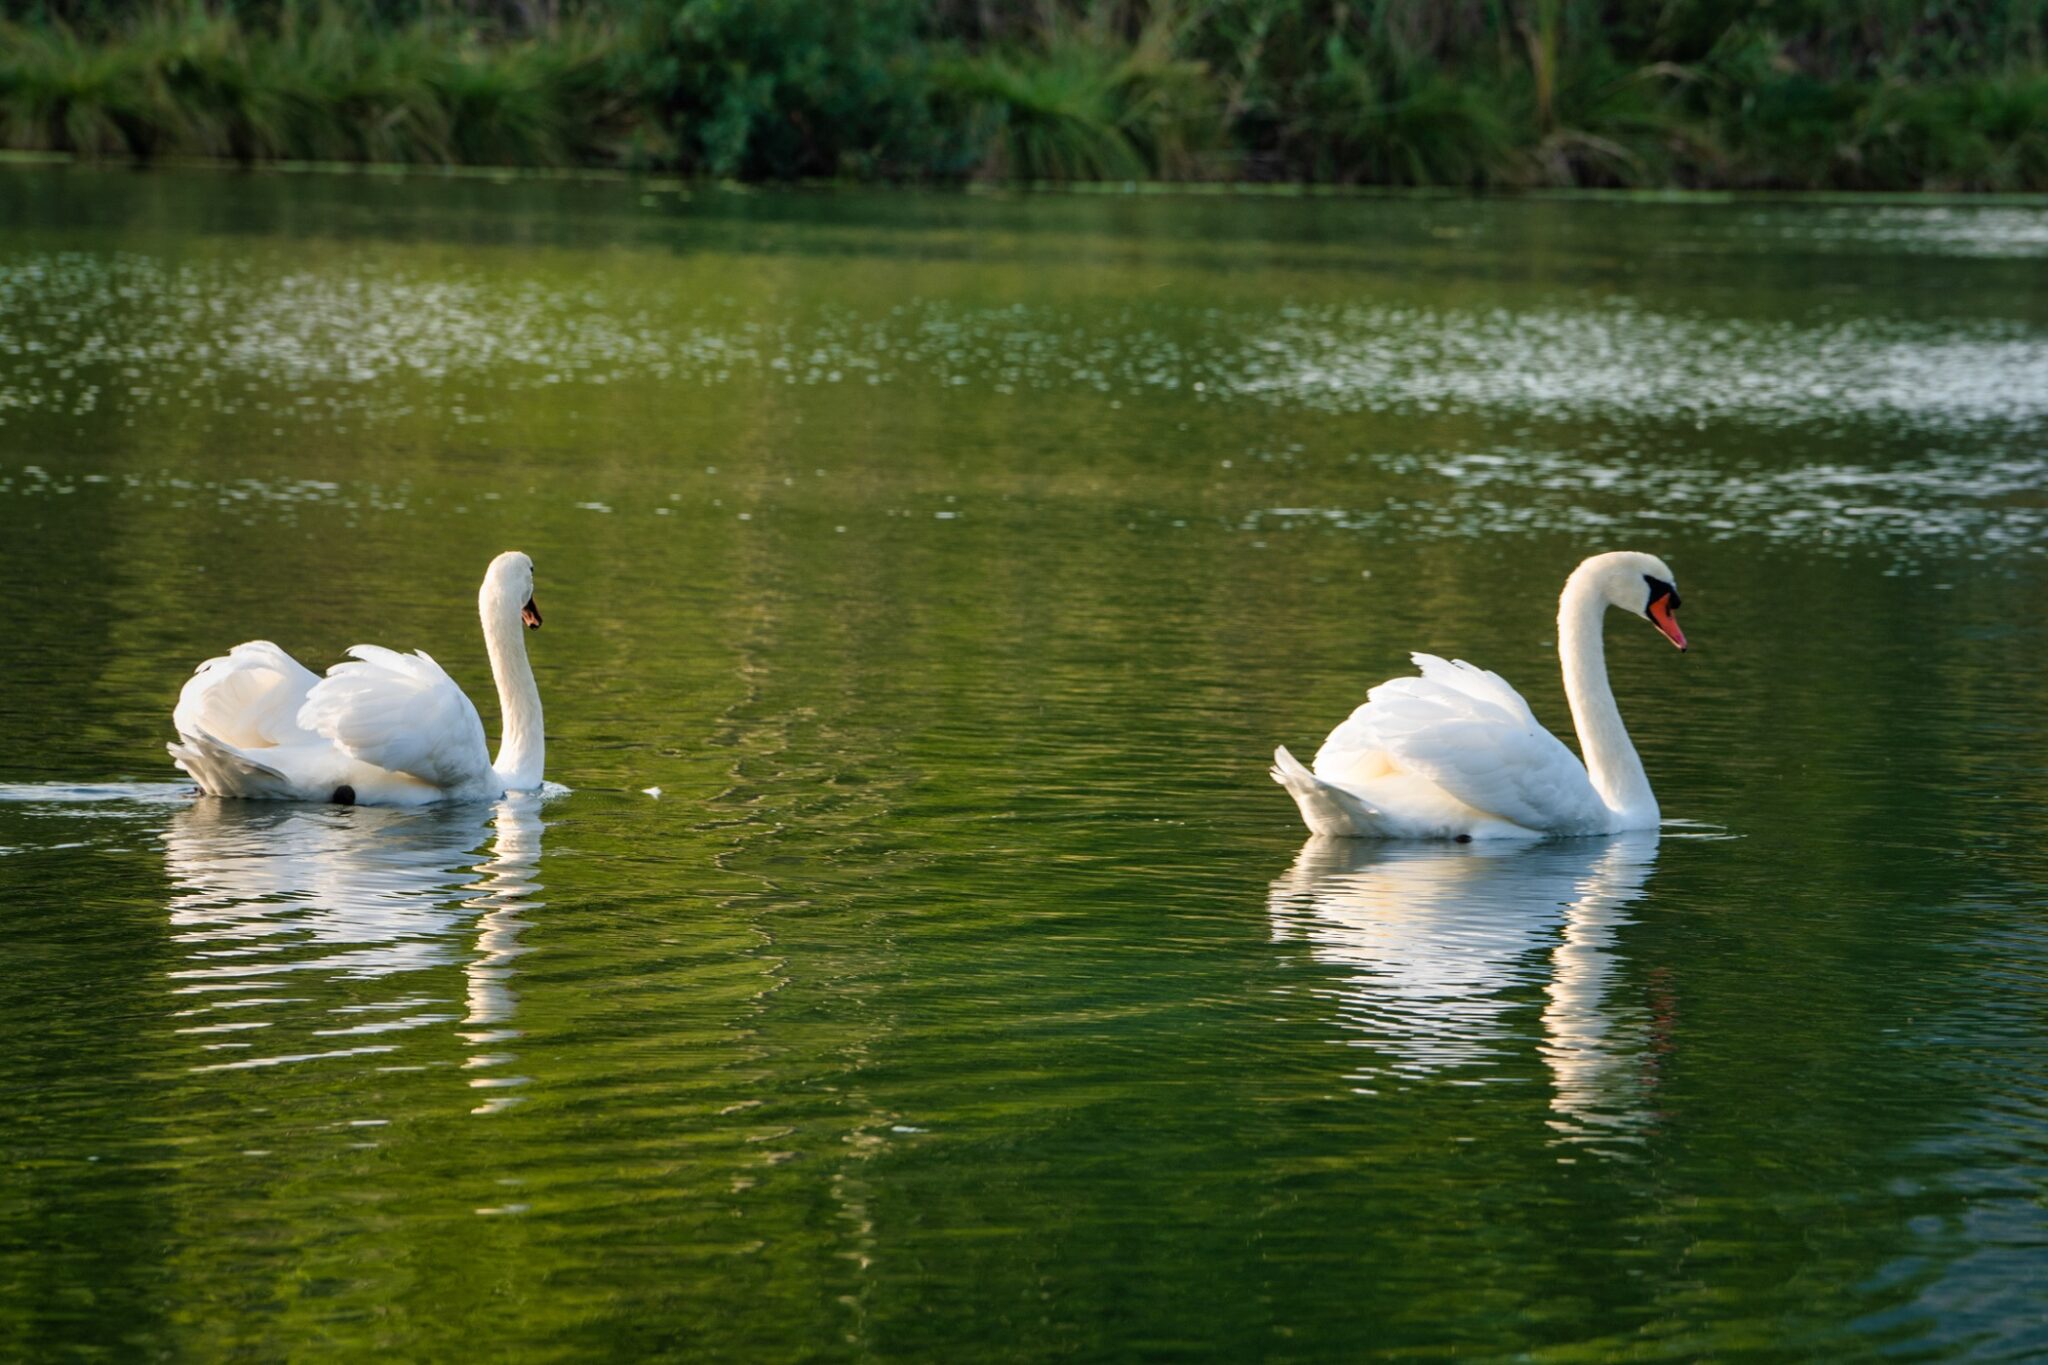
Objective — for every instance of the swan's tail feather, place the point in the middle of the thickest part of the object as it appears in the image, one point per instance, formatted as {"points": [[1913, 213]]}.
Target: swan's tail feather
{"points": [[1325, 809], [220, 769]]}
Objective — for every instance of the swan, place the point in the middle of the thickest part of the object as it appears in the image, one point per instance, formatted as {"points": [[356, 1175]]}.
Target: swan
{"points": [[1457, 754], [387, 729]]}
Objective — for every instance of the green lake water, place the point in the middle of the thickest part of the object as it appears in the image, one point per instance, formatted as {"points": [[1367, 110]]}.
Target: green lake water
{"points": [[951, 566]]}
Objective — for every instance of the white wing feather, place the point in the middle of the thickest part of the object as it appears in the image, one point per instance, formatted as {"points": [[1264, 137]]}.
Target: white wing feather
{"points": [[400, 712], [248, 698], [1472, 735]]}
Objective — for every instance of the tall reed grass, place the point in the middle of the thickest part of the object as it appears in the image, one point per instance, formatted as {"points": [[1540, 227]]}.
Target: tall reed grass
{"points": [[1876, 94]]}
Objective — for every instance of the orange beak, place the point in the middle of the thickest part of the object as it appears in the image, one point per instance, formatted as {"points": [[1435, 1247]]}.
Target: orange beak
{"points": [[531, 615], [1662, 619]]}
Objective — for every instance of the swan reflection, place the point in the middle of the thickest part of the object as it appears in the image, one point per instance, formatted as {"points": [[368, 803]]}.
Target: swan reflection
{"points": [[1441, 947], [305, 929]]}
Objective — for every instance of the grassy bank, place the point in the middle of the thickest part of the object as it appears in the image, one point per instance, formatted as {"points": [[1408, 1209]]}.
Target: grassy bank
{"points": [[1487, 93]]}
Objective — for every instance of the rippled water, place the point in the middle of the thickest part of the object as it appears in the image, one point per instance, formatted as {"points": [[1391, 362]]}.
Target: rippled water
{"points": [[915, 961]]}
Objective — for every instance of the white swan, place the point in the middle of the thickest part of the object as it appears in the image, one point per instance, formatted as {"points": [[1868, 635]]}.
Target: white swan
{"points": [[1456, 753], [389, 729]]}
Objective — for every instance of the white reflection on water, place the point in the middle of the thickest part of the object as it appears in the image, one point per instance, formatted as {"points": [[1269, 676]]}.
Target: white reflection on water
{"points": [[1441, 948], [266, 896]]}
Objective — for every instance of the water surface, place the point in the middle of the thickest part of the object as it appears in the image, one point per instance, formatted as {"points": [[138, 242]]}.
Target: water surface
{"points": [[951, 566]]}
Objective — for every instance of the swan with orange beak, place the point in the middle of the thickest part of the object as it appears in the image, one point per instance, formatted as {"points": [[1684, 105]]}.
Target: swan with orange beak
{"points": [[1457, 754]]}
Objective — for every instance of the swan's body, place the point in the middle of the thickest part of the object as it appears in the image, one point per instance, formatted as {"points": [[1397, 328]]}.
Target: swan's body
{"points": [[387, 729], [1456, 752]]}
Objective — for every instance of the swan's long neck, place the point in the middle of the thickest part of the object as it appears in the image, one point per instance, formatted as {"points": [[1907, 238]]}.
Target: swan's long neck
{"points": [[1610, 757], [522, 752]]}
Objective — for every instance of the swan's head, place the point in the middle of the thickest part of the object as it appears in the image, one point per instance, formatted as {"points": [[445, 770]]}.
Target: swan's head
{"points": [[1639, 584], [508, 583]]}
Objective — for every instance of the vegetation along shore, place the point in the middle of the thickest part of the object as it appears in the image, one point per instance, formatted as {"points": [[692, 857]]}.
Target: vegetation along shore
{"points": [[1945, 95]]}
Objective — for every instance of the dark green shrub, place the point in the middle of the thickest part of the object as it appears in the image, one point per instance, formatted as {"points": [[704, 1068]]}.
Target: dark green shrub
{"points": [[1948, 94]]}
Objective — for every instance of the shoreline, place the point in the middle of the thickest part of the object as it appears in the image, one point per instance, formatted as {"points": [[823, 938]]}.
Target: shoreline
{"points": [[660, 182]]}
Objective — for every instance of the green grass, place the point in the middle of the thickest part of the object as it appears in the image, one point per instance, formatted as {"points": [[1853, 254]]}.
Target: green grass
{"points": [[1804, 94]]}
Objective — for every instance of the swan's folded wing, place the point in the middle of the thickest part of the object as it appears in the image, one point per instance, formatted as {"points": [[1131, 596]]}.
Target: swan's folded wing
{"points": [[400, 712], [1471, 734], [1477, 683], [248, 698], [1474, 736]]}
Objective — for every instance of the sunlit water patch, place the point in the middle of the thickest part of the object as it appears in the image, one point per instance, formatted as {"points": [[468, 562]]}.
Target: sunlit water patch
{"points": [[1968, 505], [1990, 231], [79, 331], [1623, 362]]}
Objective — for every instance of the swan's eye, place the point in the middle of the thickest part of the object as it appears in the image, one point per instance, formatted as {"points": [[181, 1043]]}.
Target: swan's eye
{"points": [[1659, 591]]}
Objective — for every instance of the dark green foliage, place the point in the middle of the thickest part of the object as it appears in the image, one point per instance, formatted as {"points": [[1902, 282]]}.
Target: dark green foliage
{"points": [[316, 86], [790, 88], [1087, 102], [1797, 93], [1400, 122]]}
